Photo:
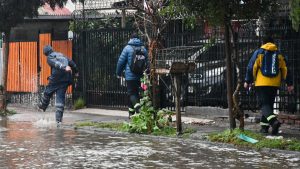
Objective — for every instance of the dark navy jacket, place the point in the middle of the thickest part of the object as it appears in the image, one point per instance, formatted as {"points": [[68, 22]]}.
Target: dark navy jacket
{"points": [[125, 59], [58, 63]]}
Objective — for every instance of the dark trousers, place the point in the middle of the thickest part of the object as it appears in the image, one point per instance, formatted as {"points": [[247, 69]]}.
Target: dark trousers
{"points": [[133, 91], [60, 91], [266, 97]]}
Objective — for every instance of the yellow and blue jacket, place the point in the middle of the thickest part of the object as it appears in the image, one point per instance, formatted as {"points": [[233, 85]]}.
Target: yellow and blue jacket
{"points": [[254, 74]]}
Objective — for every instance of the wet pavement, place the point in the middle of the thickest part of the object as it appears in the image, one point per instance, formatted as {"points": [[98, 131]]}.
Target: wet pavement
{"points": [[31, 140]]}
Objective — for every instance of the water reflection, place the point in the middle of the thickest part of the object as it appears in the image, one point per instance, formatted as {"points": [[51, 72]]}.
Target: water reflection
{"points": [[24, 145]]}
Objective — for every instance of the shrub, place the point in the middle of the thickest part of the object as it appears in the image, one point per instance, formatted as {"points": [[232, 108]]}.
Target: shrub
{"points": [[79, 103]]}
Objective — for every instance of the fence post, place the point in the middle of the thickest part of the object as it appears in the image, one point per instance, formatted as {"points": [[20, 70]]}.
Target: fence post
{"points": [[83, 57], [1, 62]]}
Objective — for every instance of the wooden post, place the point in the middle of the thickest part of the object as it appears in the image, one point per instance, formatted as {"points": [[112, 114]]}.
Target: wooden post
{"points": [[177, 92], [176, 70], [123, 19]]}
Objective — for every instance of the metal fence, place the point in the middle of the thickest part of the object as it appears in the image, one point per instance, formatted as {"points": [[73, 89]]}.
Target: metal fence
{"points": [[97, 53], [1, 62]]}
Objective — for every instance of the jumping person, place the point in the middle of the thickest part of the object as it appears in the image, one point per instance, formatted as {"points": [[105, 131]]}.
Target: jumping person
{"points": [[59, 80]]}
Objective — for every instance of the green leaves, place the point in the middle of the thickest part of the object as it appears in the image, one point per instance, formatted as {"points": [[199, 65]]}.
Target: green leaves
{"points": [[149, 120], [12, 12], [295, 14], [230, 136]]}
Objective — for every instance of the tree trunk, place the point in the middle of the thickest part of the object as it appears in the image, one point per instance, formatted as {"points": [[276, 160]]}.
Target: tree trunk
{"points": [[154, 45], [229, 73], [238, 113], [3, 103]]}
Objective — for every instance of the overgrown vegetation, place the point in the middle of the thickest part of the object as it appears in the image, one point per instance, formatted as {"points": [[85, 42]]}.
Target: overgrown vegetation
{"points": [[79, 103], [7, 112], [148, 121], [232, 137], [117, 126]]}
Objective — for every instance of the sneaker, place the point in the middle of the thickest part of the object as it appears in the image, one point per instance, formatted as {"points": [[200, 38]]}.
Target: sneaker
{"points": [[275, 127], [41, 107], [264, 129], [58, 124], [130, 114], [137, 109]]}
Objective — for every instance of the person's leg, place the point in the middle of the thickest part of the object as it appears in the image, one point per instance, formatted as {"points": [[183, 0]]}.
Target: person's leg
{"points": [[267, 97], [272, 119], [133, 94], [260, 91], [60, 102], [46, 96]]}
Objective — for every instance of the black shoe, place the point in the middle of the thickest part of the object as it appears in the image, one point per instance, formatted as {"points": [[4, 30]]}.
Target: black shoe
{"points": [[41, 107], [137, 109], [58, 124], [264, 129], [275, 127], [130, 114]]}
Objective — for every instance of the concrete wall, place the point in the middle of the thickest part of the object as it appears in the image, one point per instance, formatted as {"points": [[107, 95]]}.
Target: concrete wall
{"points": [[29, 31]]}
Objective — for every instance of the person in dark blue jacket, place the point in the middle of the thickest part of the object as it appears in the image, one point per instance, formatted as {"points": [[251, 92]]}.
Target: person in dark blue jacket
{"points": [[59, 80], [132, 79], [267, 69]]}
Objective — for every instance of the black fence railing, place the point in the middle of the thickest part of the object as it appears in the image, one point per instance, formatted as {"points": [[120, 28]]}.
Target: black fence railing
{"points": [[97, 53]]}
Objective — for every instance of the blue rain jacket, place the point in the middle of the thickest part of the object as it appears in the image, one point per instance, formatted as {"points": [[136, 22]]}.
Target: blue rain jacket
{"points": [[125, 59], [58, 63]]}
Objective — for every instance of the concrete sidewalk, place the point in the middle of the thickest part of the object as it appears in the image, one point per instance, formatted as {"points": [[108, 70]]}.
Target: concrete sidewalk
{"points": [[120, 113], [204, 123]]}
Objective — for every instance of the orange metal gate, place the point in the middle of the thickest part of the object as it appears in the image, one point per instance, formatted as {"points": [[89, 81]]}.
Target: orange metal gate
{"points": [[24, 60]]}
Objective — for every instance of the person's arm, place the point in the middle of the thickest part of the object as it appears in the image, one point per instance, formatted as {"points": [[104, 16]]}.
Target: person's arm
{"points": [[73, 65], [122, 62], [53, 62], [249, 72], [286, 74]]}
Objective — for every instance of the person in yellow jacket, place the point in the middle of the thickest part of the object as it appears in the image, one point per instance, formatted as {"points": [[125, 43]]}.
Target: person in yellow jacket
{"points": [[267, 69]]}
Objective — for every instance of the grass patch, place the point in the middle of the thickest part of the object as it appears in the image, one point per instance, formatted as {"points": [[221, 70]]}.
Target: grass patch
{"points": [[231, 137], [6, 112], [166, 131], [109, 125], [79, 103]]}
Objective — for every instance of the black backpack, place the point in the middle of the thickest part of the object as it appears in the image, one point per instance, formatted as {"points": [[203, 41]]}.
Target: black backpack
{"points": [[270, 63], [138, 61]]}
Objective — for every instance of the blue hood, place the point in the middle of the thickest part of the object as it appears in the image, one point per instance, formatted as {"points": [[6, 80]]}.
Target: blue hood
{"points": [[135, 42], [47, 50]]}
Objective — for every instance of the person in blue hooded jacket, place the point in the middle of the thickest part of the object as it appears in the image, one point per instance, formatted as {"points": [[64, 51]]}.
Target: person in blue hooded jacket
{"points": [[59, 80], [132, 79]]}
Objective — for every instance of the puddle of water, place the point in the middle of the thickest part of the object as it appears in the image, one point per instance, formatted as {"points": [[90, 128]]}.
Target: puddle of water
{"points": [[45, 122], [36, 145]]}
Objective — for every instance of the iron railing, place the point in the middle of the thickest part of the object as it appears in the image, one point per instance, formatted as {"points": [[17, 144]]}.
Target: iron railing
{"points": [[97, 53]]}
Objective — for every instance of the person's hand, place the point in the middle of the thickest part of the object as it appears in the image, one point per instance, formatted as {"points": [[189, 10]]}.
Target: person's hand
{"points": [[68, 69], [247, 85], [290, 88]]}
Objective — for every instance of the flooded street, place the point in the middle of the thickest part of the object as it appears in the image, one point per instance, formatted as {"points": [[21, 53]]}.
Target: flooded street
{"points": [[31, 141]]}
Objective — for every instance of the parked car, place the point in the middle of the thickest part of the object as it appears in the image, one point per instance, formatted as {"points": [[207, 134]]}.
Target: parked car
{"points": [[205, 87]]}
